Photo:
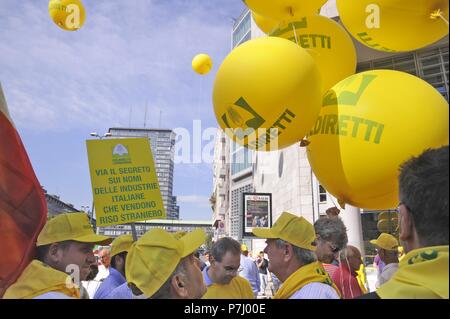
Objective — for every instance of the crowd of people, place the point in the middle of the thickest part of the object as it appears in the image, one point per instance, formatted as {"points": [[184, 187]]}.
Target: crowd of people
{"points": [[301, 260]]}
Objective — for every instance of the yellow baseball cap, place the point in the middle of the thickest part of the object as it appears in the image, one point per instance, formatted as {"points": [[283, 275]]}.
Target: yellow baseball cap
{"points": [[385, 241], [70, 226], [153, 258], [293, 229], [121, 244], [244, 247]]}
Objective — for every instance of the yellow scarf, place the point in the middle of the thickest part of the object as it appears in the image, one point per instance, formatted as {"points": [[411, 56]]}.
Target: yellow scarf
{"points": [[362, 278], [39, 278], [423, 274], [307, 274]]}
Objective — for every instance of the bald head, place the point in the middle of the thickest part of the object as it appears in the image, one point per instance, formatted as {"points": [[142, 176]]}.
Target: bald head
{"points": [[105, 257]]}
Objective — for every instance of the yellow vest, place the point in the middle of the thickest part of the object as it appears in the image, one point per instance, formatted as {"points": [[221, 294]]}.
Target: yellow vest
{"points": [[39, 278], [422, 274], [238, 288]]}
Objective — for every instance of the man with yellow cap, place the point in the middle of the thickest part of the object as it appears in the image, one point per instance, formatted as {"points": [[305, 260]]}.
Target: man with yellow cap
{"points": [[387, 249], [290, 248], [161, 265], [424, 229], [119, 250], [64, 246], [221, 277]]}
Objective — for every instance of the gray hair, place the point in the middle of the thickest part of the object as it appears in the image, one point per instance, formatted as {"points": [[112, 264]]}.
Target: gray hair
{"points": [[424, 187], [332, 229], [165, 292], [304, 256], [224, 245]]}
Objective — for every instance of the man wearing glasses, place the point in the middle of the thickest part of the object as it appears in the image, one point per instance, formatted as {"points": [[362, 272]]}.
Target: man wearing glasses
{"points": [[331, 238], [221, 276], [291, 250]]}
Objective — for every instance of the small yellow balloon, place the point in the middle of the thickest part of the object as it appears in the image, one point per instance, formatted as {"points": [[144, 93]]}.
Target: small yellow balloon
{"points": [[267, 93], [369, 124], [202, 63], [285, 10], [327, 42], [266, 25], [395, 25], [67, 14]]}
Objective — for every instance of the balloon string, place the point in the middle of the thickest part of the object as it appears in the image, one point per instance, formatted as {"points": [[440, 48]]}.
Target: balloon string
{"points": [[438, 14], [295, 33]]}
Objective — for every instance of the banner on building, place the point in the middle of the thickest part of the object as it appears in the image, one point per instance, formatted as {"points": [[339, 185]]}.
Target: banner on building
{"points": [[124, 181], [257, 212]]}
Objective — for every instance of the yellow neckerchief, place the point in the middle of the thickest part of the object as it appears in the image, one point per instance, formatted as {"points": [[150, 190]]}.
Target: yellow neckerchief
{"points": [[423, 273], [39, 278], [361, 277], [307, 274]]}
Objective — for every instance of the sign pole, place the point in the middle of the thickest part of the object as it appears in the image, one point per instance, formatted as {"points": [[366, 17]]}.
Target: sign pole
{"points": [[133, 231]]}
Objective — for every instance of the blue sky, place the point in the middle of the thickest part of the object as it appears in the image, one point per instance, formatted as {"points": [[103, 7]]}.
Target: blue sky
{"points": [[61, 85]]}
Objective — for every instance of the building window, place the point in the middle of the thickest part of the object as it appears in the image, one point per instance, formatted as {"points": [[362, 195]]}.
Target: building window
{"points": [[430, 65], [322, 194], [280, 165], [243, 30]]}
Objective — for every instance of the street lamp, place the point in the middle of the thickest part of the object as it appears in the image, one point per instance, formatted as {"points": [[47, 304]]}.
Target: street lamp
{"points": [[95, 134]]}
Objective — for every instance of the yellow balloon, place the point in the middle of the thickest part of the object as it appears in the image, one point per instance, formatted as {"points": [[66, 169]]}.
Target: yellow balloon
{"points": [[202, 63], [268, 91], [387, 215], [285, 10], [67, 14], [266, 25], [395, 25], [328, 43], [369, 124], [387, 226]]}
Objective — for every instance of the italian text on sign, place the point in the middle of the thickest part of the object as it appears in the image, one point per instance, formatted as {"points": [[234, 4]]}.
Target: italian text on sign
{"points": [[124, 181]]}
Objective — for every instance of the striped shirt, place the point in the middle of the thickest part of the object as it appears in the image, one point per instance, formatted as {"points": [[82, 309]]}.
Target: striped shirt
{"points": [[316, 290]]}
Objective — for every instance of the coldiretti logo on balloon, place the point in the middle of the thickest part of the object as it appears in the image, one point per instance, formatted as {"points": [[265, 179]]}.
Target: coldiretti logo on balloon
{"points": [[367, 40], [351, 90], [306, 41], [248, 124]]}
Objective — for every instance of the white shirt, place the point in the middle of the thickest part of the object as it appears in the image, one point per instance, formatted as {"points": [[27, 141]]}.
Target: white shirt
{"points": [[315, 290], [103, 272], [388, 271], [53, 295]]}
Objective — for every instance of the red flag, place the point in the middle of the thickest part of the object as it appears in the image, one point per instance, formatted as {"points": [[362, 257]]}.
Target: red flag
{"points": [[23, 209]]}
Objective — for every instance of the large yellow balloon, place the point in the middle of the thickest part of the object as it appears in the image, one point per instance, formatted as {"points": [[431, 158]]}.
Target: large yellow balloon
{"points": [[266, 25], [202, 63], [67, 14], [285, 10], [328, 43], [395, 25], [369, 124], [269, 91]]}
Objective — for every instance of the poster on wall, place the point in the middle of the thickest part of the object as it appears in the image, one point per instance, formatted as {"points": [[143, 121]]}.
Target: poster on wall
{"points": [[257, 212]]}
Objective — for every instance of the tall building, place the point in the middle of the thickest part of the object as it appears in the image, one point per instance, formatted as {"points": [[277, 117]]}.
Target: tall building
{"points": [[287, 174], [162, 143], [220, 197]]}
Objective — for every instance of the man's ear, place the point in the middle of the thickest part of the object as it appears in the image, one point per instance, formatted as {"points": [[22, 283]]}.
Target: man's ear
{"points": [[406, 225], [288, 252], [54, 254], [178, 284]]}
